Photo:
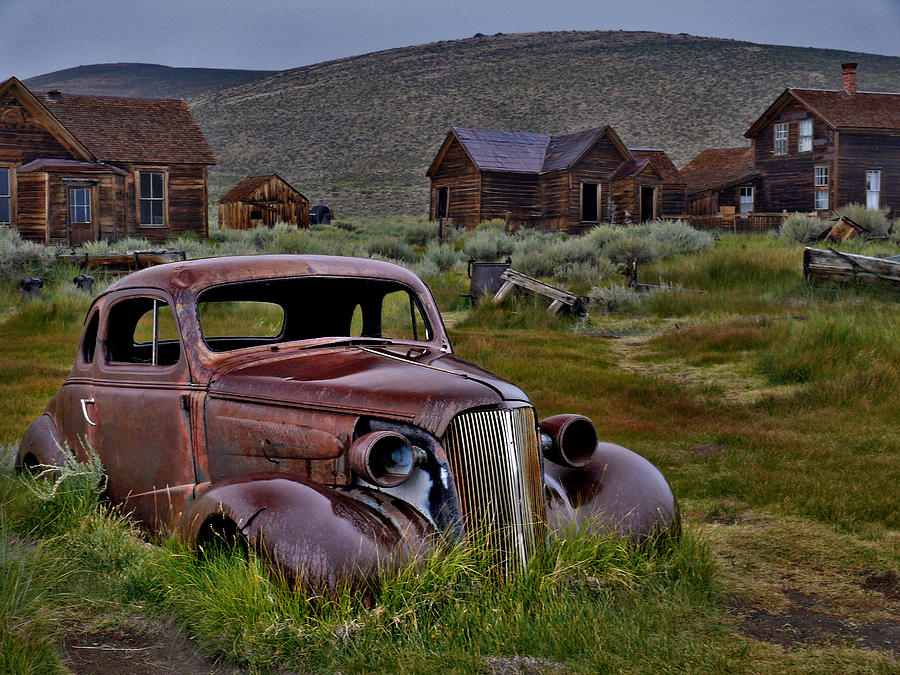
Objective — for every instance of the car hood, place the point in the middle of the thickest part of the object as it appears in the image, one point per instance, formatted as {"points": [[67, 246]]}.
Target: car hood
{"points": [[428, 391]]}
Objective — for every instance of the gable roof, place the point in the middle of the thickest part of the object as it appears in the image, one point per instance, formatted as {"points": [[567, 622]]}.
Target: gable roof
{"points": [[518, 152], [839, 109], [719, 168], [631, 167], [111, 129], [661, 162], [245, 188]]}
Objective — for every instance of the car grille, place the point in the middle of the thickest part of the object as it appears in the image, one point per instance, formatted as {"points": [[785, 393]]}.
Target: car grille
{"points": [[495, 458]]}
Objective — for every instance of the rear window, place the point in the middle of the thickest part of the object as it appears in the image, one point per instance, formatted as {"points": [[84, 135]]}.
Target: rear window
{"points": [[285, 310]]}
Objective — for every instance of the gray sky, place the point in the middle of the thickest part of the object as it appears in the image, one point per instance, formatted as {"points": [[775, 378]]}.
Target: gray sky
{"points": [[40, 36]]}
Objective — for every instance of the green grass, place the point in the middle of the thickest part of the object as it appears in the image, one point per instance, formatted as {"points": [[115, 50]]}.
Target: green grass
{"points": [[770, 405]]}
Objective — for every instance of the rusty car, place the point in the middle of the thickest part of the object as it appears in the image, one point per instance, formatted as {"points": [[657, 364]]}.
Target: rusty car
{"points": [[312, 407]]}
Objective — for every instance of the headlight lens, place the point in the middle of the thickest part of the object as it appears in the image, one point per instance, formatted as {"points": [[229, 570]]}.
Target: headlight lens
{"points": [[384, 458]]}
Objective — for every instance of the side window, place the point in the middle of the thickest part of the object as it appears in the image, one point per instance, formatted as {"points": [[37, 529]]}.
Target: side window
{"points": [[152, 197], [142, 330], [781, 139], [401, 318], [5, 195], [89, 341]]}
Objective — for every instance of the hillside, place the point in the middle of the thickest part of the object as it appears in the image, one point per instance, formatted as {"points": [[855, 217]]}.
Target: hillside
{"points": [[141, 80], [359, 133]]}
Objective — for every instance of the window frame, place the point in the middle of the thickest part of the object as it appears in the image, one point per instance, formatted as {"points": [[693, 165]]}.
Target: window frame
{"points": [[777, 138], [86, 206], [598, 205], [10, 190], [805, 139], [164, 200], [153, 366], [875, 172], [741, 201], [821, 187]]}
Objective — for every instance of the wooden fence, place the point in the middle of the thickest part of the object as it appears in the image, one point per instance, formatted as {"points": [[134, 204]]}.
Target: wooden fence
{"points": [[738, 223]]}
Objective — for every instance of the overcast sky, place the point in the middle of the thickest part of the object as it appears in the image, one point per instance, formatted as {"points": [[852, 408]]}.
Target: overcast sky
{"points": [[40, 36]]}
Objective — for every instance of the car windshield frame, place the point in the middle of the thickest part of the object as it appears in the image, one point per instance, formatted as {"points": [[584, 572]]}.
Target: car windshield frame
{"points": [[302, 313]]}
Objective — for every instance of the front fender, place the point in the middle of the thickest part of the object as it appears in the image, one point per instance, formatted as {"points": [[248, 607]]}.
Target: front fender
{"points": [[618, 491], [314, 535]]}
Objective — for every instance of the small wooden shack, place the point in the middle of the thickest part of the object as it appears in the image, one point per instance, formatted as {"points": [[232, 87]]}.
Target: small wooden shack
{"points": [[265, 199]]}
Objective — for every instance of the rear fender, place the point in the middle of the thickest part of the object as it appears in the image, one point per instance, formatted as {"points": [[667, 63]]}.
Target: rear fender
{"points": [[42, 444], [618, 491], [316, 536]]}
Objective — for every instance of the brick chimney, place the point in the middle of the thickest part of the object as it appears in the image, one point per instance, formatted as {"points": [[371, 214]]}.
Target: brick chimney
{"points": [[54, 93], [848, 78]]}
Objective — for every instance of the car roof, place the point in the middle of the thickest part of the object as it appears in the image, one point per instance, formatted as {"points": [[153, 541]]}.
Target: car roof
{"points": [[195, 275]]}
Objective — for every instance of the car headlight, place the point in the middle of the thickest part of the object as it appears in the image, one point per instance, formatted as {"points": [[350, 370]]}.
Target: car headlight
{"points": [[384, 458]]}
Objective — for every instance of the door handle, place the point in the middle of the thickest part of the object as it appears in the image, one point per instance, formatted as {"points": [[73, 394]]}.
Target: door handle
{"points": [[84, 411]]}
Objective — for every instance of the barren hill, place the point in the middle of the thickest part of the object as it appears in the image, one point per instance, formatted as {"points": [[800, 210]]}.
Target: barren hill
{"points": [[141, 80], [359, 133]]}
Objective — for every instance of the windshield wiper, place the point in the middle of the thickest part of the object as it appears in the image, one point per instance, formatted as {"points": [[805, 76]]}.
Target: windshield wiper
{"points": [[350, 341]]}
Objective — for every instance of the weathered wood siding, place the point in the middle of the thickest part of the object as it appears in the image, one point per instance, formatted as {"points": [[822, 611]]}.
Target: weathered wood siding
{"points": [[458, 173], [31, 210], [511, 195], [789, 179], [272, 202], [24, 138], [672, 199], [598, 163], [872, 151], [555, 192], [185, 208]]}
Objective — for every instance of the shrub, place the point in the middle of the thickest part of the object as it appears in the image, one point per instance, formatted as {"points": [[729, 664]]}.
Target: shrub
{"points": [[630, 245], [612, 298], [675, 237], [442, 256], [19, 258], [488, 244], [800, 228], [874, 220], [584, 275], [391, 247]]}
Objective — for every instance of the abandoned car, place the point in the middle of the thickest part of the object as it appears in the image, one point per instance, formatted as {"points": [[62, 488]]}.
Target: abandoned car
{"points": [[312, 407]]}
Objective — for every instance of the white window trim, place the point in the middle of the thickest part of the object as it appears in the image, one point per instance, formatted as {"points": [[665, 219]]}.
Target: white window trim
{"points": [[741, 200], [779, 128], [821, 189], [876, 172], [804, 139]]}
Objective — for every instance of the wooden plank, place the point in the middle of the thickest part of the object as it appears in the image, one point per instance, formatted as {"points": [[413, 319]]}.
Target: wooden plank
{"points": [[837, 265], [560, 297]]}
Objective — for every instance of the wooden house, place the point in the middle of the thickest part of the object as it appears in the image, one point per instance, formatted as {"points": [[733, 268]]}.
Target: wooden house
{"points": [[569, 182], [262, 200], [721, 180], [81, 168]]}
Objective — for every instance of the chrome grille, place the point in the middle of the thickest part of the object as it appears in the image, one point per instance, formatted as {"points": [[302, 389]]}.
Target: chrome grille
{"points": [[495, 458]]}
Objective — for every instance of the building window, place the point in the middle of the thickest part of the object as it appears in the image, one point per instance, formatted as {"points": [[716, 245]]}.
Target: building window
{"points": [[79, 205], [805, 132], [873, 189], [821, 183], [442, 202], [746, 199], [152, 198], [5, 195], [781, 138], [590, 202]]}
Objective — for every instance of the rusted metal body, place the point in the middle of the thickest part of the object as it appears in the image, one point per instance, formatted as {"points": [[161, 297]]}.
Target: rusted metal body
{"points": [[328, 443]]}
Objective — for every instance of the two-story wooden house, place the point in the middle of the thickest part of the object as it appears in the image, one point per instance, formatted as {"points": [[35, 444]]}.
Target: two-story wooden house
{"points": [[569, 182], [80, 168]]}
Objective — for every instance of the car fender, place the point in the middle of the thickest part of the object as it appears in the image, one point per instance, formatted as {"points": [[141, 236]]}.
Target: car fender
{"points": [[316, 536], [618, 491], [42, 442]]}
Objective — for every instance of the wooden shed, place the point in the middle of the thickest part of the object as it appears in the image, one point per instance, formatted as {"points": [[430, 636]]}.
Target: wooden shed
{"points": [[265, 199], [721, 179], [79, 168]]}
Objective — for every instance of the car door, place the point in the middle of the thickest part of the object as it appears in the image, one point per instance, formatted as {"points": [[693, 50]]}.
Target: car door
{"points": [[141, 418]]}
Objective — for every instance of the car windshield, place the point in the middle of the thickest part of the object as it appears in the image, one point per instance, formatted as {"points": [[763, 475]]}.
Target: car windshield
{"points": [[339, 309]]}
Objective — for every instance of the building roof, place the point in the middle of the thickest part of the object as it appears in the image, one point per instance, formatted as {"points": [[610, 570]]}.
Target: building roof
{"points": [[69, 166], [719, 168], [518, 152], [244, 189], [130, 129], [840, 109], [109, 129], [630, 168], [661, 162]]}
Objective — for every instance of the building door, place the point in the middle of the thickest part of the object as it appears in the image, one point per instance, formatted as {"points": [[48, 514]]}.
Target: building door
{"points": [[873, 189], [648, 203], [746, 198], [442, 203], [82, 219]]}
